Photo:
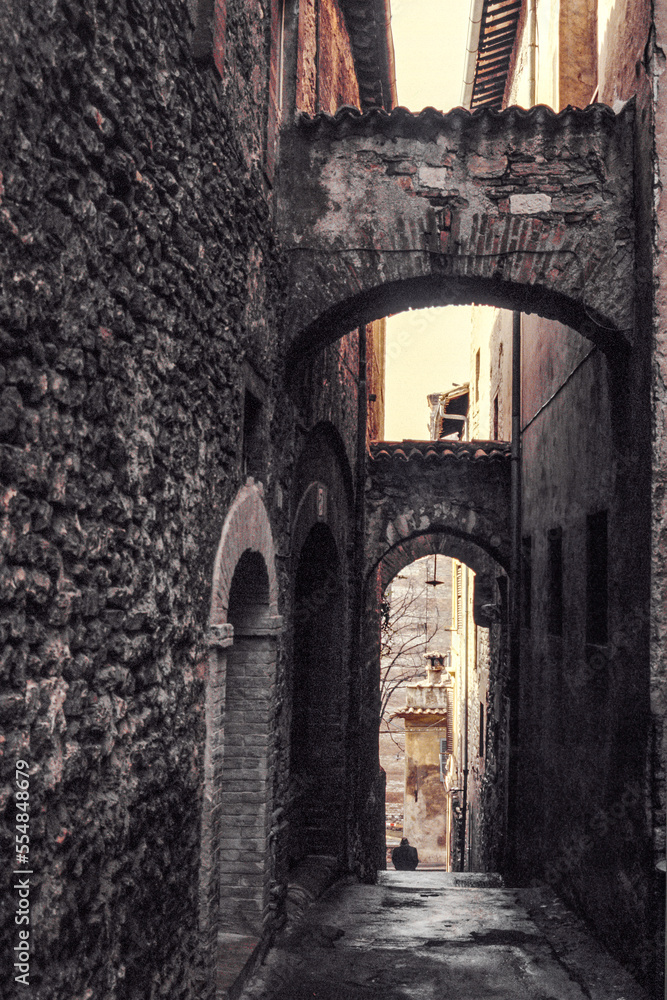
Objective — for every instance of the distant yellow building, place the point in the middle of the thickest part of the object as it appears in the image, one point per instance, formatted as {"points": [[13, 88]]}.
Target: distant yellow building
{"points": [[428, 716]]}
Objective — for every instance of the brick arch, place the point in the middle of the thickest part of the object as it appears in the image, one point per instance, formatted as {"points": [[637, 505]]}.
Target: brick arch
{"points": [[246, 527], [409, 550], [236, 862], [528, 210], [458, 490], [416, 547]]}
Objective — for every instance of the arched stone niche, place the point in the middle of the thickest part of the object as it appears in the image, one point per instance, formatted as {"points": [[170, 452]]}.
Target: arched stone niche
{"points": [[235, 863]]}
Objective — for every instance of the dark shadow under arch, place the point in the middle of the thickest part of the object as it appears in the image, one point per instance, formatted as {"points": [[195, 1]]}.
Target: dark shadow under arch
{"points": [[317, 737], [429, 290], [475, 553]]}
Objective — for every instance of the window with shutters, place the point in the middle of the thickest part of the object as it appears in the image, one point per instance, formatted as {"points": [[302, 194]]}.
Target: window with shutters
{"points": [[555, 581], [450, 720], [526, 581], [597, 592], [444, 754], [459, 597]]}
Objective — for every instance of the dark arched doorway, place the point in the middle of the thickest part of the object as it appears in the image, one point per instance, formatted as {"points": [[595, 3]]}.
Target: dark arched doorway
{"points": [[317, 741]]}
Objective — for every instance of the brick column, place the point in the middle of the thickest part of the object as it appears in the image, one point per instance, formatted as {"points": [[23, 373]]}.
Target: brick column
{"points": [[245, 790]]}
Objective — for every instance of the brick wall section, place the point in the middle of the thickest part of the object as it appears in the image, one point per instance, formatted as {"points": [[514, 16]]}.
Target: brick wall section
{"points": [[244, 854], [326, 78]]}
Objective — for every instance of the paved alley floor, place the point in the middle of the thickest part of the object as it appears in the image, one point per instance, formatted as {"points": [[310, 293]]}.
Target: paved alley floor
{"points": [[433, 935]]}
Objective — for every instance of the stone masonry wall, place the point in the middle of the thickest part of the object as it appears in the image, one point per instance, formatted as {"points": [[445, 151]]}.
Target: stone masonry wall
{"points": [[138, 268]]}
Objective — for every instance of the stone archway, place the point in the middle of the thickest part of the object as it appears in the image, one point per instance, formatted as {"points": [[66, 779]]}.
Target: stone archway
{"points": [[235, 863], [456, 489], [527, 210], [489, 612]]}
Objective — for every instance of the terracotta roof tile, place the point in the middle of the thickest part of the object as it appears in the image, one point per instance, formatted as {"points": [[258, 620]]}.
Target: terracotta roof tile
{"points": [[438, 451], [429, 123]]}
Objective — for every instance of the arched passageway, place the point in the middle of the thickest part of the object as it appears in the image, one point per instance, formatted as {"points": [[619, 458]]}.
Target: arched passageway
{"points": [[481, 623], [317, 743], [458, 490], [527, 210]]}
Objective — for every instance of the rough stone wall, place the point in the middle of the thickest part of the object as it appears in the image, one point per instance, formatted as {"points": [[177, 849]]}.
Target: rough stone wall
{"points": [[139, 270], [136, 231]]}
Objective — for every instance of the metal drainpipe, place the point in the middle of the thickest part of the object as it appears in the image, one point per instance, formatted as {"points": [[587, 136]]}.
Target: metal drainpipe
{"points": [[464, 607], [357, 747], [390, 99], [474, 27], [515, 579], [362, 417], [532, 63]]}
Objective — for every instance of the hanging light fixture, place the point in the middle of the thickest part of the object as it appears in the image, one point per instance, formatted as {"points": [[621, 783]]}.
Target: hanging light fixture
{"points": [[435, 582]]}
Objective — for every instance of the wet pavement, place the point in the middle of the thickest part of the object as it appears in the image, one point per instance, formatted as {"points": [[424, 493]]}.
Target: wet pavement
{"points": [[432, 935]]}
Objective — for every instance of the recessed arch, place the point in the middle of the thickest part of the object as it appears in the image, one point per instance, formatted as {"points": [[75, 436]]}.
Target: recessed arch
{"points": [[317, 736], [246, 526], [240, 680], [320, 532], [425, 291]]}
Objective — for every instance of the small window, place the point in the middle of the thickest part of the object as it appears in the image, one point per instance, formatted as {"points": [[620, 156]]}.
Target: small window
{"points": [[496, 419], [443, 759], [252, 435], [597, 591], [481, 729], [526, 581], [477, 369], [555, 582]]}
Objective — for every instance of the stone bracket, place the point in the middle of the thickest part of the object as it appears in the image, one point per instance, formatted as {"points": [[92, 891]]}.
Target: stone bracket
{"points": [[220, 636]]}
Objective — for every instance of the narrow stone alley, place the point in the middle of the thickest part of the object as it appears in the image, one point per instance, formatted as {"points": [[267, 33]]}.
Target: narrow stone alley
{"points": [[433, 935]]}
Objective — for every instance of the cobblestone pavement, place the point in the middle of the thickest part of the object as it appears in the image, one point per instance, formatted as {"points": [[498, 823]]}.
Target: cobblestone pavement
{"points": [[431, 935]]}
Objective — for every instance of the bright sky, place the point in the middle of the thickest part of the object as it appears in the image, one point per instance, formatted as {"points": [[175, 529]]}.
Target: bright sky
{"points": [[427, 351]]}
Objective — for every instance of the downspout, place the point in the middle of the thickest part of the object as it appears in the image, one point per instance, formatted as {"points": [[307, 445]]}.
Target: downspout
{"points": [[532, 55], [362, 417], [515, 581], [359, 744], [389, 92], [464, 606], [474, 29]]}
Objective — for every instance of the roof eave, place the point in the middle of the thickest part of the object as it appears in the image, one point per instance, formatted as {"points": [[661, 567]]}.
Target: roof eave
{"points": [[369, 25]]}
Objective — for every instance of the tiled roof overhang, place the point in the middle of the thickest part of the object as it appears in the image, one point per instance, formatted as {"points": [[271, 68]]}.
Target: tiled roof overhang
{"points": [[428, 124], [497, 34], [369, 25], [432, 715], [437, 451]]}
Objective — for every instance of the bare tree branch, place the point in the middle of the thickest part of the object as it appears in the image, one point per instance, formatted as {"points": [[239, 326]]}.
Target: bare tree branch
{"points": [[405, 637]]}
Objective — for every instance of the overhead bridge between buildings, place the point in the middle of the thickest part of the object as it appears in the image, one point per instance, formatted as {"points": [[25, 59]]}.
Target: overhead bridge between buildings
{"points": [[441, 497], [529, 210]]}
